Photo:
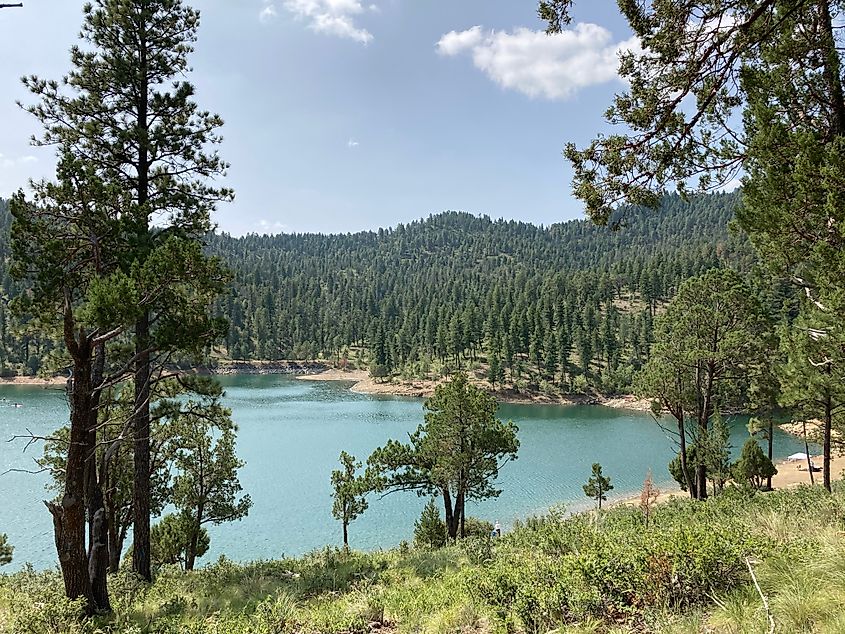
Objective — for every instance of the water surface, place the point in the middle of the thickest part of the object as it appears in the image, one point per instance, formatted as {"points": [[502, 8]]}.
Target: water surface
{"points": [[290, 435]]}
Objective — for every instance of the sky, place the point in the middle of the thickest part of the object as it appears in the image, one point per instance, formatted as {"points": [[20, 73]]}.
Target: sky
{"points": [[348, 115]]}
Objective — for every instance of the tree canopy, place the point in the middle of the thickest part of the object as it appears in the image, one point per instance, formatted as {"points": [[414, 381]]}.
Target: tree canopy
{"points": [[456, 453]]}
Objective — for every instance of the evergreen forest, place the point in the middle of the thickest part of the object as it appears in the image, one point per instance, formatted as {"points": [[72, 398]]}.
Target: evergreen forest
{"points": [[571, 305]]}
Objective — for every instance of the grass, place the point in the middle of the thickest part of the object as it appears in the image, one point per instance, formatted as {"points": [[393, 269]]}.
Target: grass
{"points": [[608, 574]]}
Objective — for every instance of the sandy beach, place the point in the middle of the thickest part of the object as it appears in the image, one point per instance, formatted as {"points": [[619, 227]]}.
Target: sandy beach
{"points": [[790, 474]]}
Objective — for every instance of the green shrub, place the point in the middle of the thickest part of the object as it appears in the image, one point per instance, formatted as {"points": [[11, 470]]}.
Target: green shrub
{"points": [[169, 540], [753, 467], [429, 529], [474, 527]]}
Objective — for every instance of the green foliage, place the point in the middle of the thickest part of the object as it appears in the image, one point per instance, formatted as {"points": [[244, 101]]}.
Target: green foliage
{"points": [[753, 466], [35, 603], [566, 272], [455, 453], [170, 540], [476, 527], [597, 485], [676, 469], [430, 529], [572, 574], [710, 342], [349, 493], [715, 448], [6, 550], [206, 486]]}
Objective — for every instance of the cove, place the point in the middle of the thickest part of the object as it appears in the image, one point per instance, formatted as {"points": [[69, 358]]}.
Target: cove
{"points": [[290, 434]]}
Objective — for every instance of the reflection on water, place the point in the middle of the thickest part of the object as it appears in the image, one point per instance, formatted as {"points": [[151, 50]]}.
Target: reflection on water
{"points": [[290, 435]]}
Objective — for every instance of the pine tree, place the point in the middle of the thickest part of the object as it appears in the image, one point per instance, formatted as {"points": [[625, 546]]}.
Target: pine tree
{"points": [[349, 493], [597, 485], [753, 467], [711, 339], [6, 550], [456, 453], [132, 125]]}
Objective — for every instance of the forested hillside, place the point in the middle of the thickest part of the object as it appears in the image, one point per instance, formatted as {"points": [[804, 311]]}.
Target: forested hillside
{"points": [[455, 287], [556, 303]]}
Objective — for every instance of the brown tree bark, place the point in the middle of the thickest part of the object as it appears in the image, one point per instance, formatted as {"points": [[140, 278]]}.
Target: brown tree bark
{"points": [[452, 514], [141, 482], [828, 426], [69, 513], [771, 433], [98, 521], [191, 551]]}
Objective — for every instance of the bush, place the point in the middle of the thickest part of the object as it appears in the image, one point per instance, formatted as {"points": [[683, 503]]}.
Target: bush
{"points": [[379, 371], [474, 527], [429, 529], [170, 537], [753, 466]]}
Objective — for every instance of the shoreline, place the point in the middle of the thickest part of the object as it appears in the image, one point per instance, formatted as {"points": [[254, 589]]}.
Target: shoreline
{"points": [[363, 383], [789, 475], [36, 381]]}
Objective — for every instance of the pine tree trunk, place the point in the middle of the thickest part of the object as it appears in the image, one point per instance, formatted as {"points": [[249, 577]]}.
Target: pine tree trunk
{"points": [[345, 534], [462, 502], [69, 514], [193, 544], [451, 517], [771, 450], [691, 487], [807, 453], [98, 560], [115, 548], [828, 426], [98, 555], [141, 484]]}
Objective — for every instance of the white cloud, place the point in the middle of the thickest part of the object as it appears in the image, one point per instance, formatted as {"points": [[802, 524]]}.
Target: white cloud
{"points": [[352, 143], [268, 13], [332, 17], [540, 65], [731, 185], [8, 163], [455, 42], [271, 227]]}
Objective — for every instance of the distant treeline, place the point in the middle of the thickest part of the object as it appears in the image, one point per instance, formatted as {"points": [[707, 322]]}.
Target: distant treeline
{"points": [[544, 303]]}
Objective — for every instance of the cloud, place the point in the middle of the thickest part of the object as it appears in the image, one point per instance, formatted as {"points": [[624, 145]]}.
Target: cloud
{"points": [[455, 42], [540, 65], [271, 227], [268, 13], [331, 17], [8, 163]]}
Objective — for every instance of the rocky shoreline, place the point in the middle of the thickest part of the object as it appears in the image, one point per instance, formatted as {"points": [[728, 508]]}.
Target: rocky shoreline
{"points": [[270, 367]]}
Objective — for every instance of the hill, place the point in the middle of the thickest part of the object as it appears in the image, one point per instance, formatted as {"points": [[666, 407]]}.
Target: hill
{"points": [[542, 303]]}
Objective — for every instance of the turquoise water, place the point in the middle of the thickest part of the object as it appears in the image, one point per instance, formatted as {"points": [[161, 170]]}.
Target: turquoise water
{"points": [[290, 435]]}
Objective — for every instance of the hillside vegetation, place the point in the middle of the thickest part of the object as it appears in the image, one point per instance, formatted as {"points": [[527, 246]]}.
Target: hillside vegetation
{"points": [[686, 571], [571, 304]]}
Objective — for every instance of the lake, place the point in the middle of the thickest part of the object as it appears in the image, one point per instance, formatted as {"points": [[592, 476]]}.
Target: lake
{"points": [[290, 435]]}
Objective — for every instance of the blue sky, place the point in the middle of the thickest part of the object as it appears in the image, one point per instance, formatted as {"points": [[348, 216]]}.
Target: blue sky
{"points": [[344, 115]]}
